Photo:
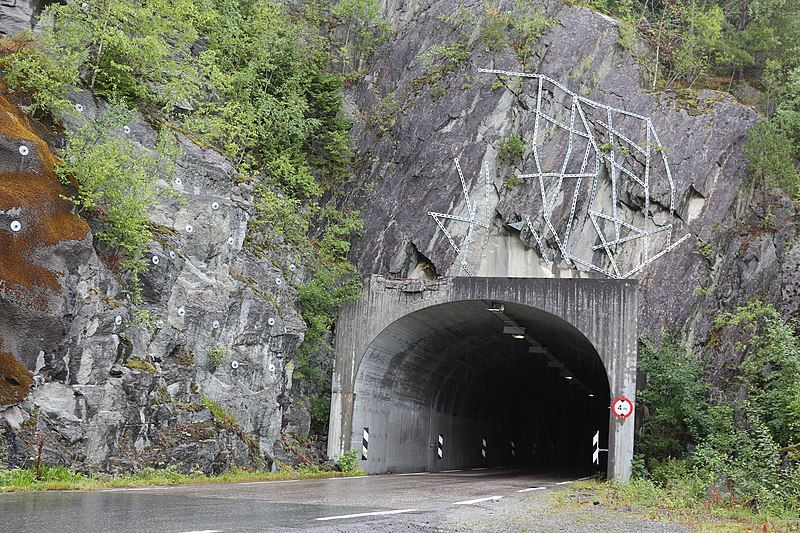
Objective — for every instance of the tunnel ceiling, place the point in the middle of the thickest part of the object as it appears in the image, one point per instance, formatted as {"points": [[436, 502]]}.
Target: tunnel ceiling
{"points": [[419, 354]]}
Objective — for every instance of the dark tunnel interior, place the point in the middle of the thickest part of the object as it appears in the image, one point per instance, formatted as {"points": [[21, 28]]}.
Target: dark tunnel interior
{"points": [[474, 384]]}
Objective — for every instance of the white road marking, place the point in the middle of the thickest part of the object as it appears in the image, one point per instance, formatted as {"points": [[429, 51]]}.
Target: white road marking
{"points": [[479, 500], [484, 468], [565, 482], [374, 513], [128, 489], [204, 531], [273, 481], [532, 488], [348, 477], [414, 474], [449, 471]]}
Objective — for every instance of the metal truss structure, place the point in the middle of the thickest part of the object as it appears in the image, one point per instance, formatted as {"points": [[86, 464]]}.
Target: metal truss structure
{"points": [[610, 154], [472, 219]]}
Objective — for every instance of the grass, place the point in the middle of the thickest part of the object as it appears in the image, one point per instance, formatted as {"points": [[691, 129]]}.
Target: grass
{"points": [[62, 478], [648, 500]]}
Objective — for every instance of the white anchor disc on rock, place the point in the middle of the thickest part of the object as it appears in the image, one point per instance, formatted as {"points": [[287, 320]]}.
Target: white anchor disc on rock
{"points": [[278, 281], [118, 320], [23, 150], [155, 259], [272, 368], [172, 254], [215, 324], [15, 226], [79, 108], [181, 311], [215, 205], [271, 321], [189, 228], [234, 364]]}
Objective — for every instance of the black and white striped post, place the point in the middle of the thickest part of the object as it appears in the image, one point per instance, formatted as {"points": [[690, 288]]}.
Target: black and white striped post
{"points": [[483, 448], [365, 445], [513, 449], [440, 446]]}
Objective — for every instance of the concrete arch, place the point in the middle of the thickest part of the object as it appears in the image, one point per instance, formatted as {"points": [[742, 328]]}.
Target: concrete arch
{"points": [[416, 360]]}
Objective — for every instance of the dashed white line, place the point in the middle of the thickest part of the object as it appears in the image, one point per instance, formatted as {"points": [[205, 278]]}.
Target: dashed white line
{"points": [[135, 489], [449, 471], [204, 531], [414, 474], [374, 513], [273, 481], [479, 500], [484, 468], [532, 488], [565, 482]]}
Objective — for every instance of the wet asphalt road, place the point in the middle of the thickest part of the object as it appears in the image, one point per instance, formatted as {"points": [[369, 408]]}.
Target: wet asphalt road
{"points": [[412, 502]]}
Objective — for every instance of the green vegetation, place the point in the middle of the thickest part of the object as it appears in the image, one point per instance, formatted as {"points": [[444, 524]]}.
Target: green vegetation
{"points": [[710, 43], [219, 413], [650, 500], [739, 441], [116, 181], [348, 462], [254, 79], [61, 478], [216, 355], [137, 363], [519, 28], [511, 148]]}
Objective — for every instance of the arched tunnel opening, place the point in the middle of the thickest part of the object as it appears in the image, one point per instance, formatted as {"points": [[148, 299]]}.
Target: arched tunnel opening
{"points": [[476, 383]]}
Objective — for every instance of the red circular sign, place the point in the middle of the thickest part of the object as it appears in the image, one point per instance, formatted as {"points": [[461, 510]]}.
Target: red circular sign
{"points": [[622, 407]]}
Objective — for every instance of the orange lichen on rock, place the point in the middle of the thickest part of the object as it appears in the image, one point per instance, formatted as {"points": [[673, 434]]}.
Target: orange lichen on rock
{"points": [[15, 379], [30, 193]]}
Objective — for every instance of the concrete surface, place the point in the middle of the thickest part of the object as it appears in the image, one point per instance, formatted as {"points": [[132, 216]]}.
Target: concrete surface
{"points": [[416, 360]]}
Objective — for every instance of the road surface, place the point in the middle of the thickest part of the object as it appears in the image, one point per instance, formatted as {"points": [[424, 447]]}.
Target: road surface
{"points": [[466, 500]]}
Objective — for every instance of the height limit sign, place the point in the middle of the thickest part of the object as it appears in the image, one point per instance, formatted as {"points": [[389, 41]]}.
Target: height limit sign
{"points": [[622, 407]]}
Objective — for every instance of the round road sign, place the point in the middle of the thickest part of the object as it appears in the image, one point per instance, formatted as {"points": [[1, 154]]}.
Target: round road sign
{"points": [[622, 407]]}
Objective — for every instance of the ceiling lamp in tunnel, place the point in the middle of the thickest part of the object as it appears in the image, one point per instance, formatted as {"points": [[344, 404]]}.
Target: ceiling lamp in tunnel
{"points": [[495, 307], [517, 332]]}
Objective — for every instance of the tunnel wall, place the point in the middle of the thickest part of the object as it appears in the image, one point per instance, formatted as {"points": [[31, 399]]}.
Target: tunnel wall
{"points": [[603, 310]]}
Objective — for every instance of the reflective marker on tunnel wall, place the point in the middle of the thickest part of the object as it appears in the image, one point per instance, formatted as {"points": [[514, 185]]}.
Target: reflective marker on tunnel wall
{"points": [[365, 445], [440, 446]]}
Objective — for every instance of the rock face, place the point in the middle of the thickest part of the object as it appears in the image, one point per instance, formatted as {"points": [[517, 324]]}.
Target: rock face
{"points": [[117, 386], [17, 16], [409, 130], [104, 384]]}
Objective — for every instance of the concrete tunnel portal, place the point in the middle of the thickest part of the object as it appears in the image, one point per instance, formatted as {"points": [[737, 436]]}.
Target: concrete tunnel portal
{"points": [[481, 372]]}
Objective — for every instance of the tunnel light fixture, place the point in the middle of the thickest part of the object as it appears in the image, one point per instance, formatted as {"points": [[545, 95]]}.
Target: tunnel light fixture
{"points": [[567, 377], [591, 395], [495, 307], [517, 332]]}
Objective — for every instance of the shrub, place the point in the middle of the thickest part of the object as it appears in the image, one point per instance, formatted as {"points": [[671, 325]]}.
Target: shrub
{"points": [[216, 355], [348, 462], [674, 399], [512, 148], [115, 181]]}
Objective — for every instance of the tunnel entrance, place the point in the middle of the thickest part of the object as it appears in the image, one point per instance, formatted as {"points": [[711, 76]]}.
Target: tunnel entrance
{"points": [[480, 372], [479, 383]]}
